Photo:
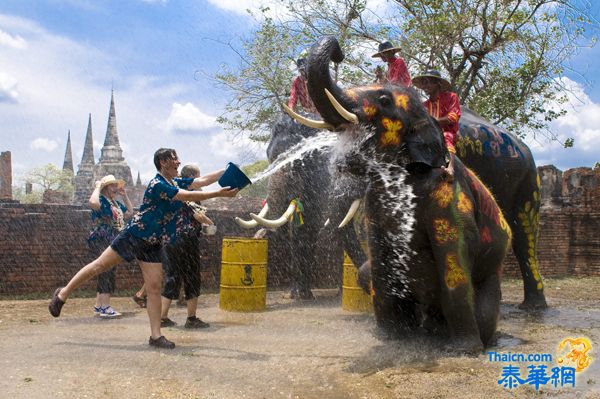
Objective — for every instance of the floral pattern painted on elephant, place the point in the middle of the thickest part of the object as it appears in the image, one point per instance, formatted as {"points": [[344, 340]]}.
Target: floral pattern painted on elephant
{"points": [[455, 274], [369, 110], [401, 101], [443, 195], [485, 199], [444, 231], [529, 219], [464, 204], [391, 135]]}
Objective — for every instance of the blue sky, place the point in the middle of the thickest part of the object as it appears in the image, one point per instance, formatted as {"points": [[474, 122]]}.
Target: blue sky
{"points": [[59, 60]]}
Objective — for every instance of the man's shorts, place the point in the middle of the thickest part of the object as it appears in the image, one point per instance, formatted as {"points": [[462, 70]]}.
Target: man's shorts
{"points": [[130, 247]]}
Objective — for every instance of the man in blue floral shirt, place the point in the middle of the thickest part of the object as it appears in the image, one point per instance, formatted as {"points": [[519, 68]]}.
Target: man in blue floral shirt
{"points": [[143, 237]]}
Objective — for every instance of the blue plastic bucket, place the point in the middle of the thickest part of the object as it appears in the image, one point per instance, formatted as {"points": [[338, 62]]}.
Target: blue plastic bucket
{"points": [[234, 177]]}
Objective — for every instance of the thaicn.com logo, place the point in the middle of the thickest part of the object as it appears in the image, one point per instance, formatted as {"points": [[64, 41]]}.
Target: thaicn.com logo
{"points": [[544, 369]]}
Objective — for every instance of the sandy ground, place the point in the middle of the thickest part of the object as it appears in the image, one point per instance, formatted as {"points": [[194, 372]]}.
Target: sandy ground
{"points": [[292, 350]]}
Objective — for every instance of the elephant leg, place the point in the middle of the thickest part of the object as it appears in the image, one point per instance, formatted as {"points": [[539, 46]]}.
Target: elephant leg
{"points": [[434, 321], [396, 317], [524, 222], [304, 263], [487, 307]]}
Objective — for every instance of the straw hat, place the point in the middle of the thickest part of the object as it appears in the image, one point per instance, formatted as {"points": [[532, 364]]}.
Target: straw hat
{"points": [[110, 179], [385, 47], [431, 74]]}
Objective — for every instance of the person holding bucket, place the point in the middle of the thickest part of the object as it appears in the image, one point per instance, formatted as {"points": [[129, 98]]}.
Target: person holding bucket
{"points": [[108, 215], [181, 260], [144, 236]]}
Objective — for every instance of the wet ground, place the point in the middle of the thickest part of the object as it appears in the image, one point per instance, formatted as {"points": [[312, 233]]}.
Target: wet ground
{"points": [[292, 350]]}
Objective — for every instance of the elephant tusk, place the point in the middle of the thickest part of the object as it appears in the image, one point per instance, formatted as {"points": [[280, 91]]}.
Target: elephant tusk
{"points": [[283, 219], [307, 122], [347, 115], [250, 224], [350, 214], [326, 223]]}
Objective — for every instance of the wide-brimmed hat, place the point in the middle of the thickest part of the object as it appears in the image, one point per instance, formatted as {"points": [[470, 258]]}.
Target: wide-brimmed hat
{"points": [[431, 74], [385, 47], [110, 179]]}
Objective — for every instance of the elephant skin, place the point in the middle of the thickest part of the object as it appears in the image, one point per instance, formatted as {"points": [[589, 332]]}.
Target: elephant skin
{"points": [[436, 246], [500, 159]]}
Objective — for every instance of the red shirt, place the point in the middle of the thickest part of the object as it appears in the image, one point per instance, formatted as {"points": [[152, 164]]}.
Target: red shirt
{"points": [[397, 73], [300, 93], [446, 104]]}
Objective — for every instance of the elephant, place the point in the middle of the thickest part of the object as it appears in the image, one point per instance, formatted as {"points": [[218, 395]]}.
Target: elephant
{"points": [[436, 245], [500, 159], [297, 250]]}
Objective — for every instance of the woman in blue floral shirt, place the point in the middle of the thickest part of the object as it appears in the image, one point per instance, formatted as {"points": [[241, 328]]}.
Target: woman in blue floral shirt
{"points": [[108, 216], [143, 237]]}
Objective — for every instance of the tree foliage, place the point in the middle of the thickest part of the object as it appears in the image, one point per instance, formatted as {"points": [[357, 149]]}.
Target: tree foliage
{"points": [[503, 57], [50, 177]]}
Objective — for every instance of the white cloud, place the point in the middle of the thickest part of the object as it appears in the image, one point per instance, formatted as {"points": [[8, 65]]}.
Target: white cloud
{"points": [[16, 42], [581, 122], [8, 88], [42, 143], [188, 118]]}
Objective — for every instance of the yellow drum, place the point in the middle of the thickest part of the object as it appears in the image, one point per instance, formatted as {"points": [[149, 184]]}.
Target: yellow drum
{"points": [[354, 298], [243, 275]]}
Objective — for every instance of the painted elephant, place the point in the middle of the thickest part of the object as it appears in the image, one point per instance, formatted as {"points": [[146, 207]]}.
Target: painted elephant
{"points": [[436, 246], [502, 161], [296, 249]]}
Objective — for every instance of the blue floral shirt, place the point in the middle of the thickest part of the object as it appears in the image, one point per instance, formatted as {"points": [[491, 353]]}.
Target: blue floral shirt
{"points": [[108, 220], [156, 221]]}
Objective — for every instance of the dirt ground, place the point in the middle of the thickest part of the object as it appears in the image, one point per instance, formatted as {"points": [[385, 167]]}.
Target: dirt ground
{"points": [[292, 350]]}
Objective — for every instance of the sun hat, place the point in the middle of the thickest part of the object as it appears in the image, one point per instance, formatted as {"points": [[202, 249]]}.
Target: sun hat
{"points": [[431, 74], [110, 179], [385, 47]]}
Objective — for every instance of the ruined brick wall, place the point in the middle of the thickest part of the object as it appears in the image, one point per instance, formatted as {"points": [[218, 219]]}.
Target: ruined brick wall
{"points": [[5, 175], [41, 246]]}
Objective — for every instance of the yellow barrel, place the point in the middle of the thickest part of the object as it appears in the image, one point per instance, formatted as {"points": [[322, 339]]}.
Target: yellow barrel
{"points": [[243, 275], [354, 298]]}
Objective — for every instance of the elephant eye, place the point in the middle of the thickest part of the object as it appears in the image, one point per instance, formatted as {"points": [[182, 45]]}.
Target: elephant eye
{"points": [[385, 100]]}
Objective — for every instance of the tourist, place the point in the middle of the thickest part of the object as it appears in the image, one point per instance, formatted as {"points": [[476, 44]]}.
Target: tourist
{"points": [[108, 216], [145, 234], [181, 260], [397, 72], [444, 106], [299, 90]]}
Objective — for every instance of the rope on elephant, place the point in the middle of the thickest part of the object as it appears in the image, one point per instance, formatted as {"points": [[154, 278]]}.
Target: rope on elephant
{"points": [[297, 217]]}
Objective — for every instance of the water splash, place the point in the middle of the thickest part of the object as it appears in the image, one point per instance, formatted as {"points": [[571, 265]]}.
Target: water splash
{"points": [[320, 142]]}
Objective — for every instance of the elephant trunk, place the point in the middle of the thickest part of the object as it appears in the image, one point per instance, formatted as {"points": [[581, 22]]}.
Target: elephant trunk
{"points": [[321, 53]]}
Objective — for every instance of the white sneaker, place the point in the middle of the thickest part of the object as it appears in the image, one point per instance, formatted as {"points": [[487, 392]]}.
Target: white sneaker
{"points": [[109, 313]]}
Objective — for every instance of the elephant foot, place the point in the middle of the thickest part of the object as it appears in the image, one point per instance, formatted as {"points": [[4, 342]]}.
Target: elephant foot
{"points": [[534, 303], [471, 346], [306, 295]]}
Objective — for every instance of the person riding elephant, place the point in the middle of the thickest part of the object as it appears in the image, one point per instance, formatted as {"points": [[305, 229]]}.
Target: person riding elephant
{"points": [[300, 193], [502, 161], [436, 246]]}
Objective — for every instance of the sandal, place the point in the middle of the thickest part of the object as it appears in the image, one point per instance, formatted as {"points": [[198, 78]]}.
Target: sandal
{"points": [[56, 303], [141, 301]]}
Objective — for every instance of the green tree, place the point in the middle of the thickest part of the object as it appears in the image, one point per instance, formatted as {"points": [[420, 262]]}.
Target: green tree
{"points": [[502, 57], [48, 177], [258, 189]]}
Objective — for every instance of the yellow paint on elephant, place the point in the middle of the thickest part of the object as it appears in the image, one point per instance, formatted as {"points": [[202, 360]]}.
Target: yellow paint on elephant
{"points": [[504, 226], [455, 275], [401, 101], [465, 143], [529, 219], [369, 110], [464, 204], [391, 135], [444, 231], [443, 194]]}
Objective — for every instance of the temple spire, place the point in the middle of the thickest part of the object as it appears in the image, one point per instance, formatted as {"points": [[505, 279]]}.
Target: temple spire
{"points": [[68, 162], [88, 147], [111, 151], [138, 182]]}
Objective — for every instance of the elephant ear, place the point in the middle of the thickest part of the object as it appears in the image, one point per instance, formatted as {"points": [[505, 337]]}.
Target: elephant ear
{"points": [[425, 144]]}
